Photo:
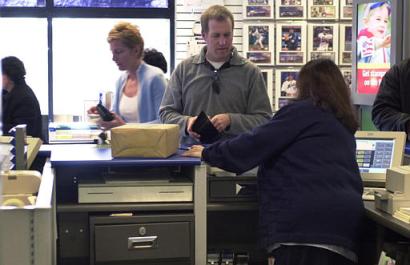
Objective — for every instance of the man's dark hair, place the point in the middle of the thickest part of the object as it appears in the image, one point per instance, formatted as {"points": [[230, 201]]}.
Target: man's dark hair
{"points": [[155, 58], [13, 68]]}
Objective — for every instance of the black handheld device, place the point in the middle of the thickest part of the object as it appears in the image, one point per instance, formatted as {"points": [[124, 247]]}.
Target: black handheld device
{"points": [[105, 114], [206, 129]]}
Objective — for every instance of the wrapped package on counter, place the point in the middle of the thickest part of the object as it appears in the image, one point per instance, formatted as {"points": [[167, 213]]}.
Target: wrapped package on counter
{"points": [[145, 140]]}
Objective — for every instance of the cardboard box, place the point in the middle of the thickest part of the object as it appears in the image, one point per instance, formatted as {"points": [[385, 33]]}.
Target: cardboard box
{"points": [[145, 140]]}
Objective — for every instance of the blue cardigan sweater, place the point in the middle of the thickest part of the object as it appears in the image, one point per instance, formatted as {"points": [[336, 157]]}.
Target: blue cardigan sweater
{"points": [[309, 182], [152, 87]]}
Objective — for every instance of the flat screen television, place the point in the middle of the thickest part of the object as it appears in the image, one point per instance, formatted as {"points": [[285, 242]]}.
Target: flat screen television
{"points": [[377, 26], [376, 152]]}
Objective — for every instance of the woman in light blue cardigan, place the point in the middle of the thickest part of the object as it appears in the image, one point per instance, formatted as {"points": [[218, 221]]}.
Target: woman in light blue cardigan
{"points": [[140, 88], [151, 89]]}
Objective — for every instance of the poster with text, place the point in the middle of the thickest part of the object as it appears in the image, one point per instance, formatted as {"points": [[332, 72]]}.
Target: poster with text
{"points": [[373, 45]]}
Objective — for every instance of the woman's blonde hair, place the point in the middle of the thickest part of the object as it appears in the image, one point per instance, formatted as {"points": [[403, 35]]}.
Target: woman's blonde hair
{"points": [[129, 35]]}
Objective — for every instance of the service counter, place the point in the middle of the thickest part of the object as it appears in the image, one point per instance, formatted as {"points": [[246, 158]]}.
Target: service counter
{"points": [[390, 235], [88, 231], [124, 233]]}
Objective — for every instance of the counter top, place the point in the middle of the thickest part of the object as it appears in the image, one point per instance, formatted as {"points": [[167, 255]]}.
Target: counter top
{"points": [[386, 219], [95, 155]]}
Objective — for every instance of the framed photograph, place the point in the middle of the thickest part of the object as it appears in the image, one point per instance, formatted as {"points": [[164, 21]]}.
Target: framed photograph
{"points": [[347, 75], [268, 77], [291, 43], [323, 41], [323, 9], [260, 58], [346, 9], [257, 9], [285, 86], [345, 45], [259, 38], [290, 9]]}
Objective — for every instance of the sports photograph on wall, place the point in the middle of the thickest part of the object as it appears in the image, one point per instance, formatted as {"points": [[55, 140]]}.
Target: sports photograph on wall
{"points": [[290, 9], [291, 43], [323, 9], [323, 41], [345, 44], [258, 42], [257, 9]]}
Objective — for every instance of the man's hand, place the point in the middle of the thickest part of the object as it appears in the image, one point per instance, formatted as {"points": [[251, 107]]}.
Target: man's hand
{"points": [[189, 124], [221, 121]]}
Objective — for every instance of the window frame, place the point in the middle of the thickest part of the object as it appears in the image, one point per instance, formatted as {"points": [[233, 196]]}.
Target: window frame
{"points": [[50, 12]]}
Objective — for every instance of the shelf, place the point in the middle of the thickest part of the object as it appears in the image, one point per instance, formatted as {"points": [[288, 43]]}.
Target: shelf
{"points": [[232, 206], [120, 207]]}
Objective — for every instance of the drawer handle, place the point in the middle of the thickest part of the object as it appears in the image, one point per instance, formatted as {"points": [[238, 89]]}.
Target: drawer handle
{"points": [[142, 242]]}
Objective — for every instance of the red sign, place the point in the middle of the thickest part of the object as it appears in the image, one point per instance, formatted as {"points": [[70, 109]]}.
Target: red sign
{"points": [[368, 80]]}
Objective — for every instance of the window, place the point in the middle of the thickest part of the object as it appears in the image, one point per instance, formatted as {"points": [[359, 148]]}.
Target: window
{"points": [[113, 3], [22, 3], [82, 60], [64, 48], [26, 38]]}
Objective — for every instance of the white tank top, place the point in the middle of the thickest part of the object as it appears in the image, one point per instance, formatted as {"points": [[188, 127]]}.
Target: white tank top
{"points": [[129, 108]]}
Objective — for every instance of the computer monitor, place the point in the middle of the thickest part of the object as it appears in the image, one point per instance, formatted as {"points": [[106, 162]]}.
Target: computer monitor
{"points": [[375, 152]]}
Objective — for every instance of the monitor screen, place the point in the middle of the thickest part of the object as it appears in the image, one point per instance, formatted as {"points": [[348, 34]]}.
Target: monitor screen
{"points": [[373, 50], [377, 151], [374, 155]]}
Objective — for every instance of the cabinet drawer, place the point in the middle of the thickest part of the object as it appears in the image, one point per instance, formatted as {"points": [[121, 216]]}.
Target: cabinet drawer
{"points": [[138, 242]]}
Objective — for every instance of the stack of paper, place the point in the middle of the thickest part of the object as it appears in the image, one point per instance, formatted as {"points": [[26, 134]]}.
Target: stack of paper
{"points": [[403, 214]]}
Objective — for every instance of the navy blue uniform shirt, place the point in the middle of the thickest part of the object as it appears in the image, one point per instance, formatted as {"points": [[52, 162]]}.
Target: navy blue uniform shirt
{"points": [[310, 190]]}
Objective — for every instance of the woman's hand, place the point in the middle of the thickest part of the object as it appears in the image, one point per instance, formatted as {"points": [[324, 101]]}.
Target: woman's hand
{"points": [[92, 110], [194, 151], [107, 125]]}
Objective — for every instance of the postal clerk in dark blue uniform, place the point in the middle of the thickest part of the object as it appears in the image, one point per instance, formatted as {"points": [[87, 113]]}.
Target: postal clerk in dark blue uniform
{"points": [[310, 190]]}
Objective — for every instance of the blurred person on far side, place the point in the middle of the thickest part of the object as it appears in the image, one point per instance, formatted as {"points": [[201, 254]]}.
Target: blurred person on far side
{"points": [[19, 103]]}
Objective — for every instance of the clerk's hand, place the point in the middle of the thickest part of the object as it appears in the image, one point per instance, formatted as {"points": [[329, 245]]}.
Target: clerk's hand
{"points": [[107, 125], [194, 151], [191, 133], [221, 121]]}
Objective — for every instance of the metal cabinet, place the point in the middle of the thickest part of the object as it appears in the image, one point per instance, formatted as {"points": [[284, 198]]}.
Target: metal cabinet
{"points": [[142, 239]]}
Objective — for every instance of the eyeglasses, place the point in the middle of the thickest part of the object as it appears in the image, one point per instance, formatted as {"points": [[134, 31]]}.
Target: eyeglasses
{"points": [[215, 86]]}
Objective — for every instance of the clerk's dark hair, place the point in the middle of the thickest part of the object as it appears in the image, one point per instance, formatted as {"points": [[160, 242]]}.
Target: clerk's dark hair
{"points": [[14, 69], [322, 82], [155, 58]]}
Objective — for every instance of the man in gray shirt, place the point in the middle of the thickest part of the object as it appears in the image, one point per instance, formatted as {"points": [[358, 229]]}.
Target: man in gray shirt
{"points": [[218, 81]]}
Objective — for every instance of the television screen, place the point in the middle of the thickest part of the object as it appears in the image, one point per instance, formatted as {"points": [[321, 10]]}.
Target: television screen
{"points": [[373, 48], [112, 4]]}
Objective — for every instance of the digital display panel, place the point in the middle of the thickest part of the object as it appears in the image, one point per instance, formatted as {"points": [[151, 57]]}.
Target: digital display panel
{"points": [[112, 3], [374, 155], [22, 3], [373, 45]]}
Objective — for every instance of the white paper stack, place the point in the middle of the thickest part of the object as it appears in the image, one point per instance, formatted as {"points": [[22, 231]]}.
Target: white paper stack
{"points": [[403, 214]]}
